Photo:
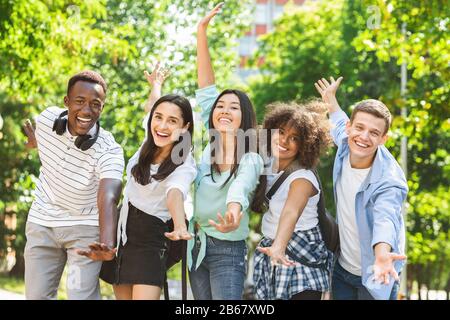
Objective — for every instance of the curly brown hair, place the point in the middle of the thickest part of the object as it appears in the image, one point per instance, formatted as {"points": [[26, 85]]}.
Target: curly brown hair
{"points": [[310, 121]]}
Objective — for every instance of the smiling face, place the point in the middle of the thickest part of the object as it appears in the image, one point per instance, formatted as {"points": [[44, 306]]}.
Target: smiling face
{"points": [[285, 144], [85, 102], [167, 124], [365, 134], [227, 114]]}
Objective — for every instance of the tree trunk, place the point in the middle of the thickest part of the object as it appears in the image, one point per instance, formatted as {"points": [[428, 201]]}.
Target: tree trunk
{"points": [[440, 275], [419, 280], [447, 289], [411, 274], [428, 278]]}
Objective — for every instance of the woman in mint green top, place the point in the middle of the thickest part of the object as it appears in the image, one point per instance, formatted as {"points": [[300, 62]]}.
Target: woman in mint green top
{"points": [[227, 177]]}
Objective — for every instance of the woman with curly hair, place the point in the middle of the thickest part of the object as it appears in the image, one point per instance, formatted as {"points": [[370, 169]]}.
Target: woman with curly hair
{"points": [[292, 261]]}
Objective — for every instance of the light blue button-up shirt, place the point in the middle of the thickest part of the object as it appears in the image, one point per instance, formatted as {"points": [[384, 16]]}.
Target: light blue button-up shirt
{"points": [[378, 206]]}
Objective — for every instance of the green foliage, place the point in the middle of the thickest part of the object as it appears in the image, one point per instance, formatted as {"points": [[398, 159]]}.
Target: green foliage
{"points": [[301, 48], [43, 43], [363, 42]]}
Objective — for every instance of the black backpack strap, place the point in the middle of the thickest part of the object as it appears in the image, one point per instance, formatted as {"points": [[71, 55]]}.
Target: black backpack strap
{"points": [[166, 288], [291, 168], [276, 185], [183, 272], [321, 204], [183, 275]]}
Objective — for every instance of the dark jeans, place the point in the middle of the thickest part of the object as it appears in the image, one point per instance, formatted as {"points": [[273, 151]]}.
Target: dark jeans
{"points": [[347, 286]]}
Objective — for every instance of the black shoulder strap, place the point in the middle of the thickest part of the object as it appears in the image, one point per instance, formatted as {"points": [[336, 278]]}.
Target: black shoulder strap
{"points": [[321, 204], [183, 272], [166, 288], [292, 167], [282, 178], [276, 185], [183, 275]]}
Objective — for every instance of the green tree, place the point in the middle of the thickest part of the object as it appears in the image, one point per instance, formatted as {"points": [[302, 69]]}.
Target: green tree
{"points": [[42, 43], [424, 49], [363, 42]]}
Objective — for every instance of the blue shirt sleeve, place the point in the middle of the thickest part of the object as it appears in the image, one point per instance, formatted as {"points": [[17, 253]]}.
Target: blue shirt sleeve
{"points": [[205, 98], [387, 216], [338, 120], [250, 168]]}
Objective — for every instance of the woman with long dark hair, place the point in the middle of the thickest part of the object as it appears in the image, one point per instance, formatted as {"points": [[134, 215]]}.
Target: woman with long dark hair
{"points": [[159, 176], [228, 174]]}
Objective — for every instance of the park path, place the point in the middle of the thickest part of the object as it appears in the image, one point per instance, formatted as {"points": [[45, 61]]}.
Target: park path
{"points": [[7, 295], [174, 292]]}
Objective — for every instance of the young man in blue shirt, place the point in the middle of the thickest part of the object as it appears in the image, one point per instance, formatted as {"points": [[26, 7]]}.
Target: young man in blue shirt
{"points": [[369, 190]]}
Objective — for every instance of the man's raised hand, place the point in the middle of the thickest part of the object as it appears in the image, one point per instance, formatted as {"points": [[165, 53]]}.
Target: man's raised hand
{"points": [[328, 92]]}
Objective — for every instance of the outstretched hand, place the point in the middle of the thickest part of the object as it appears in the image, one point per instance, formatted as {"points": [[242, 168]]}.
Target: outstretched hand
{"points": [[383, 267], [228, 223], [98, 252], [204, 22], [277, 256], [181, 234], [158, 75], [29, 131]]}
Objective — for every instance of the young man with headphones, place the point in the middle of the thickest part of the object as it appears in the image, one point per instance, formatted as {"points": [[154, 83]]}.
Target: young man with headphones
{"points": [[73, 217]]}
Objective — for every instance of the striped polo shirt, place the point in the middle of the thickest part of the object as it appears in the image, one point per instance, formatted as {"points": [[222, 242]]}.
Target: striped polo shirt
{"points": [[66, 191]]}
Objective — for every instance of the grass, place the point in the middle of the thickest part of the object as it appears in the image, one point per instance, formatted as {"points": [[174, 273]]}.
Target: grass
{"points": [[15, 285], [175, 272]]}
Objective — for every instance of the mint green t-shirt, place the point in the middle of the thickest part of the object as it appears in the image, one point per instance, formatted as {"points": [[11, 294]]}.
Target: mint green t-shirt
{"points": [[211, 198]]}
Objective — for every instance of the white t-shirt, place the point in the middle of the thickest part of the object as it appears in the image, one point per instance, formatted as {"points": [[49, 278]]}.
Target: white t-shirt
{"points": [[309, 218], [151, 198], [346, 189]]}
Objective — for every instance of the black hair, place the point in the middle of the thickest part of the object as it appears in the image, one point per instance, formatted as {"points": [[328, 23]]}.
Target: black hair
{"points": [[248, 121], [88, 76], [313, 128]]}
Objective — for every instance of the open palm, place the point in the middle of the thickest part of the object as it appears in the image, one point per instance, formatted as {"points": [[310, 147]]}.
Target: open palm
{"points": [[30, 132], [206, 19], [227, 223], [158, 75], [328, 89]]}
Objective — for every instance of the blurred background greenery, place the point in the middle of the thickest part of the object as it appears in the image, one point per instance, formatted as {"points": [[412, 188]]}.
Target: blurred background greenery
{"points": [[42, 43]]}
